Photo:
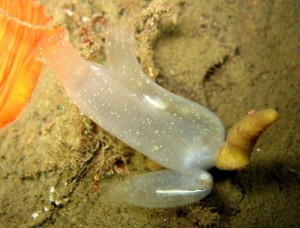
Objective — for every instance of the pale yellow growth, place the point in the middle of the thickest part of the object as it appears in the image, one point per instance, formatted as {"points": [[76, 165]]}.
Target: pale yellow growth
{"points": [[236, 150]]}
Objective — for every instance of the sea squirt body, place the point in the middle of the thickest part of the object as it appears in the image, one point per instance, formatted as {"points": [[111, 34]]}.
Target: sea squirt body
{"points": [[162, 189], [176, 133]]}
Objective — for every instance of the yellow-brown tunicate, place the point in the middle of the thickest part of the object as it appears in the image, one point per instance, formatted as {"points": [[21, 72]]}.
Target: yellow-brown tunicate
{"points": [[236, 151]]}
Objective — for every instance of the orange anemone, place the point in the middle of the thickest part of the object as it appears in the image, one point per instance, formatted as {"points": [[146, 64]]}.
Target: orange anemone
{"points": [[22, 25]]}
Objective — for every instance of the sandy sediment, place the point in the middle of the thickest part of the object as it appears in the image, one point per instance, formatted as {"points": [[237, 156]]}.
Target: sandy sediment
{"points": [[231, 56]]}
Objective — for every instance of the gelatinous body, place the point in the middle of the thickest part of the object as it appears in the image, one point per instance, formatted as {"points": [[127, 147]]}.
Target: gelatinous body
{"points": [[175, 132], [162, 189]]}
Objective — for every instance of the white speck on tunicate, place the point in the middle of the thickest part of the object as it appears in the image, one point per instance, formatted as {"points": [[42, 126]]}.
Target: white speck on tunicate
{"points": [[155, 148]]}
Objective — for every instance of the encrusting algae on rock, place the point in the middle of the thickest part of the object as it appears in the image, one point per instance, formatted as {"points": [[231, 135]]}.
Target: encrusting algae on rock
{"points": [[22, 24]]}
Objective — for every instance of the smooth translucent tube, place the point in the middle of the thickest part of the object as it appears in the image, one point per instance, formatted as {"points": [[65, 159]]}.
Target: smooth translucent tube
{"points": [[161, 189], [175, 132]]}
